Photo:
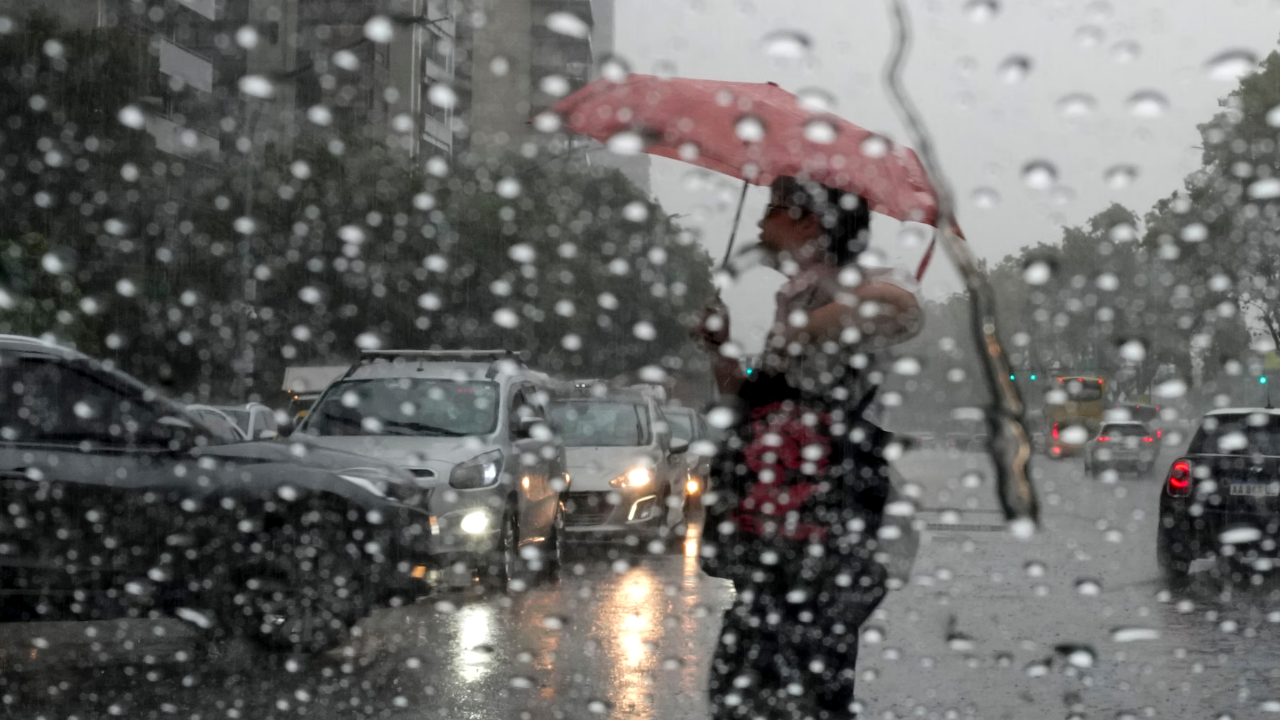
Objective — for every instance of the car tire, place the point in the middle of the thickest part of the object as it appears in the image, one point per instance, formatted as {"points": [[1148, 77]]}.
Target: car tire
{"points": [[1173, 556], [503, 564]]}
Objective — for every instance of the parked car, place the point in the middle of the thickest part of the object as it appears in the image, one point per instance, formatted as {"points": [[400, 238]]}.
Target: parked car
{"points": [[628, 473], [687, 425], [471, 427], [1222, 497], [255, 420], [118, 499], [222, 426], [1127, 446]]}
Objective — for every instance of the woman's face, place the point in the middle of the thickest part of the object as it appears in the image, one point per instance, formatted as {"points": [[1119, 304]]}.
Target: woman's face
{"points": [[788, 229]]}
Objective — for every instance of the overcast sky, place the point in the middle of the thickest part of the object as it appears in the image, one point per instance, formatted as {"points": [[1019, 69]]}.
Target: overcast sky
{"points": [[986, 129]]}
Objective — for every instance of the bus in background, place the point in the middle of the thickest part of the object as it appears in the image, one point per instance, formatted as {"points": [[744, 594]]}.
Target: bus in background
{"points": [[1073, 412]]}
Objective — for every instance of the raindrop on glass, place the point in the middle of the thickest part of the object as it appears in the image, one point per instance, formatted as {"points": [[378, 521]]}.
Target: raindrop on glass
{"points": [[644, 330], [1037, 272], [1076, 105], [626, 142], [1133, 350], [379, 29], [1090, 588], [566, 23], [1147, 104], [508, 188], [442, 96], [614, 69], [130, 116], [547, 122], [1119, 177], [749, 128], [1231, 65], [554, 85], [786, 45], [1265, 189], [980, 11], [985, 198], [1014, 69], [636, 211], [247, 37], [819, 131], [1081, 656], [1134, 634], [309, 295], [1039, 175], [1089, 35], [1126, 51], [506, 317], [346, 60], [874, 147], [816, 100], [320, 115]]}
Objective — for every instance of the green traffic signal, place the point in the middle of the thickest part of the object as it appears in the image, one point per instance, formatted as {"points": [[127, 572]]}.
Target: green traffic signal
{"points": [[1013, 377], [1033, 377], [1262, 380]]}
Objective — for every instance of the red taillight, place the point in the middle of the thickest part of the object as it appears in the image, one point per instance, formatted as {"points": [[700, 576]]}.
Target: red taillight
{"points": [[1179, 480], [1159, 433], [1104, 438], [1055, 431], [1147, 439]]}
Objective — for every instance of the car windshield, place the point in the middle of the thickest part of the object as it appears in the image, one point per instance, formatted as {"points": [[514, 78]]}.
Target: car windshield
{"points": [[681, 425], [1123, 431], [601, 423], [1242, 434], [405, 406]]}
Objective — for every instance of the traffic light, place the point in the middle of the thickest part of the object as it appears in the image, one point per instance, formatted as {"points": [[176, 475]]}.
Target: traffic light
{"points": [[1262, 379], [1033, 377], [751, 371], [1013, 377]]}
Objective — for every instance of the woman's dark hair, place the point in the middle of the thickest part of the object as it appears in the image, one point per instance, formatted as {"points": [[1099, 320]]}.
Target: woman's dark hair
{"points": [[845, 216]]}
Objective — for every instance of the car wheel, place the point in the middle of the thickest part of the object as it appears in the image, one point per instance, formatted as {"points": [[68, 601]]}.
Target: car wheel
{"points": [[282, 609], [504, 561], [1173, 556]]}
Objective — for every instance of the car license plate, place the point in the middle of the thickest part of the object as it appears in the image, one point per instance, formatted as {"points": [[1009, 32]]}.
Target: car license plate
{"points": [[1251, 489]]}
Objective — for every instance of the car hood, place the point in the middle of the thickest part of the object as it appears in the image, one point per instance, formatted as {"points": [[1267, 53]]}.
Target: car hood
{"points": [[591, 468], [437, 453]]}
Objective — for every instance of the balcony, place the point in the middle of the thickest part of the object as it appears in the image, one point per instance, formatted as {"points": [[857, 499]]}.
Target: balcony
{"points": [[192, 69], [207, 8]]}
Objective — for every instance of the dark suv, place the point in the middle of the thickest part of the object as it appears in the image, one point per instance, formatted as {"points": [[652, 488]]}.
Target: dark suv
{"points": [[117, 501], [1222, 498]]}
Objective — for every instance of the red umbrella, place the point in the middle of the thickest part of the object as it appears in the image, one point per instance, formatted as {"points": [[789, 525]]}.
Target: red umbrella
{"points": [[755, 132]]}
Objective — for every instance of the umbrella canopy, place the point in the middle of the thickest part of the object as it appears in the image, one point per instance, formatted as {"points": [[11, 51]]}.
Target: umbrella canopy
{"points": [[752, 131]]}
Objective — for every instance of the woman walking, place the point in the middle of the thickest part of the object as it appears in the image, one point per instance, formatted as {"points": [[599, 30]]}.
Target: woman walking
{"points": [[801, 484]]}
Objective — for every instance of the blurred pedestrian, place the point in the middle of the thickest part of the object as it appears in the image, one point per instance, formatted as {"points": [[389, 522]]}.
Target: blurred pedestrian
{"points": [[800, 485]]}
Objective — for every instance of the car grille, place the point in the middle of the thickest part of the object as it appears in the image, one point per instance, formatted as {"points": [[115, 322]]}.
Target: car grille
{"points": [[586, 508]]}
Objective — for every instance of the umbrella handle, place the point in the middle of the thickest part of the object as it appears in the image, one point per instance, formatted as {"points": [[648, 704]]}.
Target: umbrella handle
{"points": [[737, 216]]}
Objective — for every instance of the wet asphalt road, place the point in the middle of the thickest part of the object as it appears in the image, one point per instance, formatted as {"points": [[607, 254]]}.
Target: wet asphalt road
{"points": [[1074, 621]]}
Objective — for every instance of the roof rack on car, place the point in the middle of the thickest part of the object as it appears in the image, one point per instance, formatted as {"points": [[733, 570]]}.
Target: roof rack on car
{"points": [[490, 356]]}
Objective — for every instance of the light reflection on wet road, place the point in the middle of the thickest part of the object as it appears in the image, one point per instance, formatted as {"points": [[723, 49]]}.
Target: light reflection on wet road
{"points": [[629, 636]]}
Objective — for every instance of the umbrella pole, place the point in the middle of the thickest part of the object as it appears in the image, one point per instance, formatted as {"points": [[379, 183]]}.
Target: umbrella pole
{"points": [[737, 216]]}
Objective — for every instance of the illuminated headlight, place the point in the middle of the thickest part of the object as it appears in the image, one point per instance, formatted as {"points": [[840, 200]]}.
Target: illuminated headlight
{"points": [[475, 523], [636, 477], [478, 472]]}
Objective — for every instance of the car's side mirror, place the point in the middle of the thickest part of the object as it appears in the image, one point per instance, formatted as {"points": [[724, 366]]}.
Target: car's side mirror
{"points": [[679, 446]]}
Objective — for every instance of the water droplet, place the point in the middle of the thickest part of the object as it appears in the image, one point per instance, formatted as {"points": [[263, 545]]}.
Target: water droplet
{"points": [[907, 365], [126, 287], [1239, 535], [1037, 272], [442, 95], [981, 11], [53, 263], [547, 122], [571, 342], [1077, 105], [1089, 36], [499, 66], [368, 341], [506, 317], [1133, 350], [1022, 528], [1273, 116], [1038, 668], [566, 23], [309, 295], [873, 635], [320, 115], [786, 45], [1119, 177], [1265, 189], [195, 617], [721, 417], [626, 142], [1175, 388], [353, 234], [1035, 569], [614, 69], [1134, 634], [749, 128], [644, 330], [1126, 51], [130, 116], [1231, 65], [1039, 175], [1081, 656], [1147, 104], [508, 187], [300, 169], [554, 85], [985, 198], [1014, 69], [247, 37], [346, 60], [816, 100], [521, 682], [971, 480], [961, 643], [1090, 588], [379, 29], [522, 253], [636, 211], [874, 147], [822, 132]]}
